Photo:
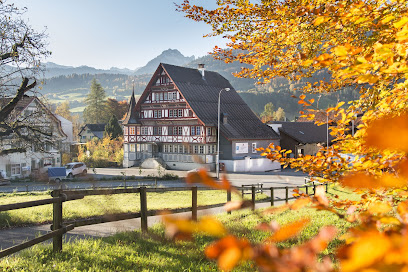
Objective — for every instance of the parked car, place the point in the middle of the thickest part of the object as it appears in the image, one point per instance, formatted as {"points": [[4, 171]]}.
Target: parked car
{"points": [[75, 168]]}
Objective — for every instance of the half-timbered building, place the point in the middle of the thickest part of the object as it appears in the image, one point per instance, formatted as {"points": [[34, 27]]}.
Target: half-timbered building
{"points": [[175, 119]]}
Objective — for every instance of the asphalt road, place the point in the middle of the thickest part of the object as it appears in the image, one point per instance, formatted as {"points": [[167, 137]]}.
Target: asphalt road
{"points": [[99, 178]]}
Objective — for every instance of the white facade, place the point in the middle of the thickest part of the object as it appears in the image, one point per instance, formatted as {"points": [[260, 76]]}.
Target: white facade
{"points": [[17, 165]]}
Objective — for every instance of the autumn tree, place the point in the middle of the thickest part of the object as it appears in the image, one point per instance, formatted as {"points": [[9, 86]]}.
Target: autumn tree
{"points": [[63, 110], [363, 46], [279, 115], [113, 129], [96, 110], [117, 108], [21, 51], [267, 114]]}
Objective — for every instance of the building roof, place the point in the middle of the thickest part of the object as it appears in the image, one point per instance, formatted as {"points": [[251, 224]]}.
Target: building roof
{"points": [[304, 132], [201, 94], [24, 102], [96, 129], [131, 115]]}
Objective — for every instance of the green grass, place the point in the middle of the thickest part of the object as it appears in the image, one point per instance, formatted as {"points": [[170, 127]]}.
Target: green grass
{"points": [[92, 206], [135, 252]]}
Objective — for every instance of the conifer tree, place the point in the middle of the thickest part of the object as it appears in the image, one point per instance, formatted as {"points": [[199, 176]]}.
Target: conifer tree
{"points": [[95, 111], [113, 128]]}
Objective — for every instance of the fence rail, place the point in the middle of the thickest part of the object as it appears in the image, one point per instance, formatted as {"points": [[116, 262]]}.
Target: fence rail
{"points": [[59, 227]]}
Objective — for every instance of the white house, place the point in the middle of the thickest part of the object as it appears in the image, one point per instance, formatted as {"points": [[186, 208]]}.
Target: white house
{"points": [[35, 158]]}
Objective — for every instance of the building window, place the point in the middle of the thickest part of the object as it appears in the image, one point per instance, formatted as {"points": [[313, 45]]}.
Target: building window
{"points": [[198, 130], [253, 147], [208, 131], [180, 130], [132, 148], [170, 149], [180, 113], [190, 113], [159, 114], [165, 149], [145, 131], [138, 130], [15, 169], [170, 113], [201, 149], [174, 130], [132, 130], [192, 130], [126, 131], [155, 114], [165, 96], [156, 131], [195, 149], [161, 96]]}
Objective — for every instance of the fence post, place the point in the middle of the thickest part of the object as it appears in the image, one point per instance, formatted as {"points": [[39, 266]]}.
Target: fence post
{"points": [[327, 187], [229, 198], [194, 203], [253, 197], [287, 194], [242, 192], [314, 189], [261, 188], [307, 189], [143, 209], [57, 221], [272, 197]]}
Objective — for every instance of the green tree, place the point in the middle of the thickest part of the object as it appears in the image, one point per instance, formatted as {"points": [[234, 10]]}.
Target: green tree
{"points": [[267, 114], [95, 111], [112, 128]]}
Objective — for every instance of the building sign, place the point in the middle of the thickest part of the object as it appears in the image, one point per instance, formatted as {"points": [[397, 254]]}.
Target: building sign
{"points": [[241, 148]]}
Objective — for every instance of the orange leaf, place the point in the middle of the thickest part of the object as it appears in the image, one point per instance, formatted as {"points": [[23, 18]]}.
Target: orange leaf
{"points": [[289, 230], [365, 251], [202, 176], [362, 180], [300, 203], [379, 208], [237, 205], [211, 226], [302, 96], [229, 258], [389, 132]]}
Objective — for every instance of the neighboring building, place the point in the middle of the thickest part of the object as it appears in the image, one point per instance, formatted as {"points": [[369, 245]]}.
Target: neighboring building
{"points": [[303, 138], [175, 119], [67, 128], [35, 159], [90, 131]]}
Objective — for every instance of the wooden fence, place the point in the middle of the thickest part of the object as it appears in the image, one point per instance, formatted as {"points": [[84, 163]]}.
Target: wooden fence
{"points": [[59, 227]]}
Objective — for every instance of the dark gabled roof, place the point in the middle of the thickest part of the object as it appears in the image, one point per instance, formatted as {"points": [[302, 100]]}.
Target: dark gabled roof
{"points": [[23, 103], [97, 129], [131, 115], [304, 132], [202, 96]]}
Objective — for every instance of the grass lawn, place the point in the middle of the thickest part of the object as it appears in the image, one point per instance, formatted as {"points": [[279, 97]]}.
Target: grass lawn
{"points": [[101, 205], [132, 251]]}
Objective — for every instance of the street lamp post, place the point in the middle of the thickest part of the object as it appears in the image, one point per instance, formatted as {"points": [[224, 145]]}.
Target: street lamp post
{"points": [[217, 158]]}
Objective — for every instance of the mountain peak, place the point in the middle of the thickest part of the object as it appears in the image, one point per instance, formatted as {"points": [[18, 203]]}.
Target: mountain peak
{"points": [[170, 56]]}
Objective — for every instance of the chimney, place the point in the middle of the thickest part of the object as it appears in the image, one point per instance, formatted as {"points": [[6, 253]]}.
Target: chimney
{"points": [[201, 69], [224, 118]]}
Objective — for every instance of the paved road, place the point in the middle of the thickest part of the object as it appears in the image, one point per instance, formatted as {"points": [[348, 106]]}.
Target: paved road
{"points": [[271, 179], [268, 179]]}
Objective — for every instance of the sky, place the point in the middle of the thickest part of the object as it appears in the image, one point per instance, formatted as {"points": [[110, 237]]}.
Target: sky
{"points": [[121, 33]]}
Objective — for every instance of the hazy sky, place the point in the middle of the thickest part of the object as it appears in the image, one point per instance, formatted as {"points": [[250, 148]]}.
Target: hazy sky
{"points": [[121, 33]]}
